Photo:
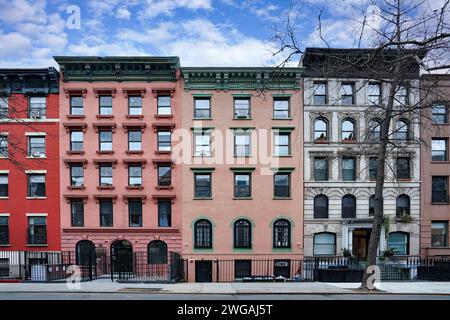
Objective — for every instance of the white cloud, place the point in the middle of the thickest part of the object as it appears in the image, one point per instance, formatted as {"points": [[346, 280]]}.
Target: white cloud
{"points": [[15, 44], [123, 13], [162, 32], [21, 10], [154, 8], [105, 49]]}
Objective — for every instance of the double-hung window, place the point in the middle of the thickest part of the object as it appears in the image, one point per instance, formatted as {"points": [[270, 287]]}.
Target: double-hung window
{"points": [[76, 140], [135, 213], [3, 146], [134, 140], [439, 233], [37, 230], [439, 113], [135, 105], [77, 213], [282, 185], [76, 106], [348, 169], [36, 185], [4, 192], [320, 93], [439, 149], [4, 113], [242, 185], [202, 143], [164, 140], [105, 140], [281, 108], [38, 107], [76, 175], [373, 168], [242, 108], [4, 230], [439, 186], [164, 213], [347, 93], [403, 168], [202, 108], [164, 107], [320, 169], [282, 145], [36, 146], [105, 105], [106, 175], [401, 96], [164, 175], [374, 93], [242, 146], [202, 185], [106, 213], [135, 175]]}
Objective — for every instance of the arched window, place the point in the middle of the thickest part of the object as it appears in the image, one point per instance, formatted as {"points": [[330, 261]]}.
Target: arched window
{"points": [[401, 130], [242, 234], [85, 253], [375, 129], [282, 234], [399, 242], [157, 252], [324, 244], [402, 205], [321, 207], [348, 130], [203, 234], [321, 129], [348, 206], [122, 256]]}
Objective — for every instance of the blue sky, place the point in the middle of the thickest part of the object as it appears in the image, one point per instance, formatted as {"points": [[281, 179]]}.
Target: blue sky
{"points": [[201, 32]]}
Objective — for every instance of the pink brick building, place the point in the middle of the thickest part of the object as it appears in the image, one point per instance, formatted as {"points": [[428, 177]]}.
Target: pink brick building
{"points": [[120, 191]]}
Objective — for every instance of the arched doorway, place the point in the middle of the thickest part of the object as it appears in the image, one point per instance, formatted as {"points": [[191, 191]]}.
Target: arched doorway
{"points": [[85, 253], [122, 256]]}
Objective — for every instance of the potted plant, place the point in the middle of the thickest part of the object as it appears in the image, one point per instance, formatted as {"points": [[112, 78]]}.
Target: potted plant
{"points": [[404, 217]]}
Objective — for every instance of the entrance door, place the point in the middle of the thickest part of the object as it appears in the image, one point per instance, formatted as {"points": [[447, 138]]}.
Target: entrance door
{"points": [[282, 268], [361, 243], [203, 271], [122, 256]]}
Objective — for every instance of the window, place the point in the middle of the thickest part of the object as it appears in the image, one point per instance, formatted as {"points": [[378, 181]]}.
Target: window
{"points": [[135, 105], [37, 230], [203, 234], [401, 96], [242, 146], [347, 93], [282, 234], [242, 269], [242, 234], [320, 169], [164, 141], [281, 108], [76, 140], [374, 93], [321, 207], [36, 146], [373, 168], [164, 213], [164, 107], [134, 140], [439, 113], [403, 168], [157, 252], [242, 108], [372, 205], [282, 185], [347, 130], [401, 130], [202, 143], [38, 107], [399, 242], [3, 107], [105, 140], [324, 244], [282, 144], [36, 185], [242, 185], [320, 93], [135, 213], [374, 130], [439, 189], [320, 129], [106, 213], [348, 207], [4, 230], [439, 233], [105, 103], [439, 149], [134, 175], [202, 185], [76, 105], [4, 192], [402, 205], [76, 175], [4, 146], [348, 169], [106, 175], [164, 175], [202, 108], [77, 213]]}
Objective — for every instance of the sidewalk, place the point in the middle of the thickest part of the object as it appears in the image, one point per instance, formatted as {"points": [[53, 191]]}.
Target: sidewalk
{"points": [[106, 286]]}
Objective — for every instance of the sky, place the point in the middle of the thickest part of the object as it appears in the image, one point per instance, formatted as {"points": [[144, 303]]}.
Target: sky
{"points": [[200, 32]]}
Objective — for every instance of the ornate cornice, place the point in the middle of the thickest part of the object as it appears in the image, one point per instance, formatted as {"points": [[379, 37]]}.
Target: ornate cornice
{"points": [[94, 68], [241, 78], [29, 81]]}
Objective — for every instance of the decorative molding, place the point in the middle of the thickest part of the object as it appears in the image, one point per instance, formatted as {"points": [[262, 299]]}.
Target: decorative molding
{"points": [[157, 197], [70, 197], [68, 162], [163, 91], [104, 91], [113, 162], [99, 197], [104, 125], [133, 91], [141, 197], [163, 126], [75, 92], [75, 125], [29, 81], [157, 162], [134, 125], [142, 162]]}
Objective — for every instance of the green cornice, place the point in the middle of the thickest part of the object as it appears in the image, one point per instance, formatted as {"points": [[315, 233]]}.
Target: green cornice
{"points": [[92, 68], [242, 169], [241, 78], [203, 170]]}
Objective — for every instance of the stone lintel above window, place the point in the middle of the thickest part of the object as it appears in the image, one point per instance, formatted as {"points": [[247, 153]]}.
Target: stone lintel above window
{"points": [[134, 126], [75, 92], [105, 91], [157, 197], [128, 197], [163, 126], [163, 91], [70, 197], [157, 162], [99, 197], [242, 169], [128, 162], [98, 162], [104, 126], [69, 162], [202, 170], [75, 126], [133, 91]]}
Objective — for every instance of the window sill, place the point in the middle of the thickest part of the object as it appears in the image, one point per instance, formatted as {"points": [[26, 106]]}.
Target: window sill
{"points": [[138, 152], [163, 116], [36, 198], [37, 245], [286, 156], [282, 118], [242, 156], [104, 116], [282, 198], [282, 249], [105, 187], [404, 180], [440, 203], [242, 198], [75, 116], [76, 187], [5, 245], [29, 157], [100, 152], [440, 162], [164, 187], [134, 187], [75, 152], [202, 156], [134, 116], [348, 141], [322, 142], [4, 198], [250, 118], [205, 198], [162, 152], [202, 119]]}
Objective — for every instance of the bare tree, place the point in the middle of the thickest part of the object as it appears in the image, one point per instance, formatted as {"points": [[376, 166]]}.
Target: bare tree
{"points": [[409, 34]]}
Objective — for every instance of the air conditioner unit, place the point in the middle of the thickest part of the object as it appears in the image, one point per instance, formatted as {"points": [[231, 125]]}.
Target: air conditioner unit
{"points": [[36, 154], [36, 115], [241, 113]]}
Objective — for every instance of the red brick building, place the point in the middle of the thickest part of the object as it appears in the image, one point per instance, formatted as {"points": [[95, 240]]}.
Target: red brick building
{"points": [[29, 160]]}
